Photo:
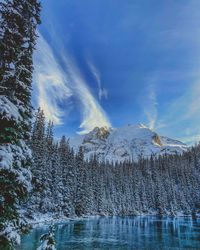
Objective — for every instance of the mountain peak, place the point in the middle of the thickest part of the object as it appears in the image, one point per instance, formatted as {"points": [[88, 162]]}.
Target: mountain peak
{"points": [[100, 133]]}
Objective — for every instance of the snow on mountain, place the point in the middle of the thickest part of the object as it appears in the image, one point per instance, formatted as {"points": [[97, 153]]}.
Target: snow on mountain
{"points": [[125, 143]]}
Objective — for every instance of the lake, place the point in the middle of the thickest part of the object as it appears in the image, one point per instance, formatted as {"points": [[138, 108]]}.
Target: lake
{"points": [[130, 232]]}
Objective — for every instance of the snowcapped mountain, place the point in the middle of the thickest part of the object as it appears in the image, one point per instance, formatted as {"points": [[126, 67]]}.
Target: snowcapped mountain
{"points": [[125, 143]]}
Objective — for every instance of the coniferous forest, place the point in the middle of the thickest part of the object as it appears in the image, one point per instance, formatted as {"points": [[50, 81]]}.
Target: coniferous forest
{"points": [[43, 175], [65, 183]]}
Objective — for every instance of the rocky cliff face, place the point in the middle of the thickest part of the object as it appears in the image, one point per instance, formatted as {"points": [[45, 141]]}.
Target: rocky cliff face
{"points": [[125, 143]]}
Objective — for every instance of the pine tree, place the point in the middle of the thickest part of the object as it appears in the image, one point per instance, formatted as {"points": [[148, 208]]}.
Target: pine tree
{"points": [[80, 174], [48, 240], [56, 181], [38, 147], [63, 189], [46, 198], [18, 21]]}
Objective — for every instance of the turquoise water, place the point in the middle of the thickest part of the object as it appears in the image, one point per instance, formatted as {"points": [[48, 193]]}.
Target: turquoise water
{"points": [[121, 233]]}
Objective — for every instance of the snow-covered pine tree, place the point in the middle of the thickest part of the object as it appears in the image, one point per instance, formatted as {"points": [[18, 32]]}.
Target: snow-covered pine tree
{"points": [[56, 181], [46, 174], [49, 137], [68, 176], [18, 21], [38, 146], [80, 172], [48, 240], [63, 169]]}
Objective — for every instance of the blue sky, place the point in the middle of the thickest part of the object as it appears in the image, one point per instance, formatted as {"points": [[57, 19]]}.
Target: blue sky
{"points": [[113, 62]]}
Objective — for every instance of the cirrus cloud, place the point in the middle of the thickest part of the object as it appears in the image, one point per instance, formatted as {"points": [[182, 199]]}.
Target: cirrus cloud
{"points": [[56, 84]]}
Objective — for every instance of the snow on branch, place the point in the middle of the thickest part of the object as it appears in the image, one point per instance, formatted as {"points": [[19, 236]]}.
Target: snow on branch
{"points": [[8, 110]]}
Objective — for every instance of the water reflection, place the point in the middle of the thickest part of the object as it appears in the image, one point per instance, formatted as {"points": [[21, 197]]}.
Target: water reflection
{"points": [[122, 233]]}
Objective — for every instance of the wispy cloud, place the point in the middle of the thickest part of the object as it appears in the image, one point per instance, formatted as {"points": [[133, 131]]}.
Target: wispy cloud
{"points": [[49, 79], [149, 104], [102, 92], [56, 84], [193, 101], [92, 113], [183, 115], [179, 116]]}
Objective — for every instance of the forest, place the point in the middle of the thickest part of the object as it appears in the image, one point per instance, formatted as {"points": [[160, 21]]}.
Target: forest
{"points": [[68, 184]]}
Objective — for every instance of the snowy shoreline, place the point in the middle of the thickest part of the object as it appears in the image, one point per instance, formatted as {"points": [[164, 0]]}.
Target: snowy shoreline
{"points": [[48, 219]]}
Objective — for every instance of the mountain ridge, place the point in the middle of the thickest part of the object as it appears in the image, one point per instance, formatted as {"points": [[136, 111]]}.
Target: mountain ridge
{"points": [[125, 143]]}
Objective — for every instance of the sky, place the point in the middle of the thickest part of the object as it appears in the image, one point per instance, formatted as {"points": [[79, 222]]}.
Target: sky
{"points": [[113, 62]]}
